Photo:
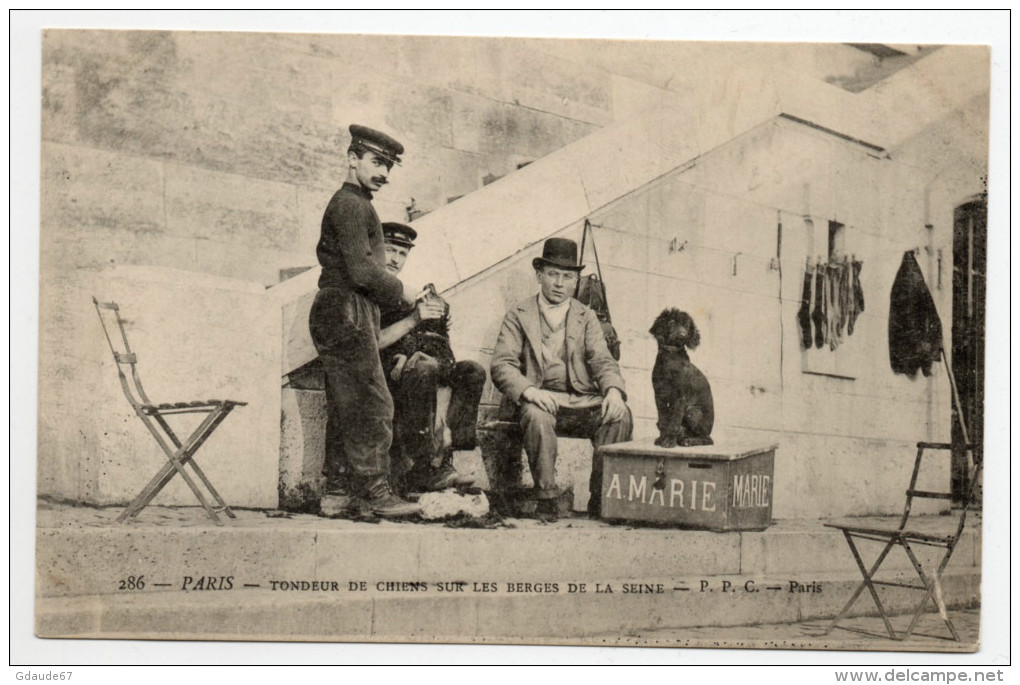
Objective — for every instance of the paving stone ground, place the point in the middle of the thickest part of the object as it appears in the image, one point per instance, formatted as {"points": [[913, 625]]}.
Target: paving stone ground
{"points": [[51, 514]]}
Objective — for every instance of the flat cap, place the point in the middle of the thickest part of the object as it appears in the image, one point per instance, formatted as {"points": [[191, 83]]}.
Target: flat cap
{"points": [[376, 141], [399, 234]]}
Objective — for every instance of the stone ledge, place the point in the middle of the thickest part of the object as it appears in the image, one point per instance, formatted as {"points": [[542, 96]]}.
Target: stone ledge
{"points": [[616, 618], [81, 551]]}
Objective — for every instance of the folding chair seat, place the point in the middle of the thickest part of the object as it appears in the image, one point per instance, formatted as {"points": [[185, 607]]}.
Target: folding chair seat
{"points": [[905, 538], [179, 454]]}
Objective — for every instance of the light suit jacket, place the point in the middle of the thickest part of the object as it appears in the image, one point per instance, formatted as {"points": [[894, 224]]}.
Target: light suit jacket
{"points": [[516, 361]]}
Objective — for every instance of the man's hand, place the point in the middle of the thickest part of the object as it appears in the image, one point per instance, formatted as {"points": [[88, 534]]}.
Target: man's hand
{"points": [[399, 361], [416, 358], [613, 406], [429, 308], [540, 398]]}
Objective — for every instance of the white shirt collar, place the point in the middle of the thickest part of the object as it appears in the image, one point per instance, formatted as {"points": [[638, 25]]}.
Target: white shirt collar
{"points": [[548, 306], [554, 314]]}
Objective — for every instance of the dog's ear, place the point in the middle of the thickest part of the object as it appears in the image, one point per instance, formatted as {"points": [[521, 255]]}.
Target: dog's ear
{"points": [[658, 329], [693, 335]]}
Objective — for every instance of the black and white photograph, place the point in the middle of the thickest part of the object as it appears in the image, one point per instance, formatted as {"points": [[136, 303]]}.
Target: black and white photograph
{"points": [[376, 337]]}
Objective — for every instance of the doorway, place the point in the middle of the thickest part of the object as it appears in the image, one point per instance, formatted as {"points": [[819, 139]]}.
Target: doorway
{"points": [[970, 243]]}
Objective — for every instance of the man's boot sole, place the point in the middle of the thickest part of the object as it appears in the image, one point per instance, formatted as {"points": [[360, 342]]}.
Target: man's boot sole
{"points": [[383, 513]]}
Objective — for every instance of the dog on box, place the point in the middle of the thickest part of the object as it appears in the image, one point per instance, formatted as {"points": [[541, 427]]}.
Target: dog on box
{"points": [[683, 396]]}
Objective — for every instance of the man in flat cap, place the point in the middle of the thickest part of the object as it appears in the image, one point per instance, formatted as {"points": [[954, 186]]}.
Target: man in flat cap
{"points": [[436, 397], [551, 360], [344, 323]]}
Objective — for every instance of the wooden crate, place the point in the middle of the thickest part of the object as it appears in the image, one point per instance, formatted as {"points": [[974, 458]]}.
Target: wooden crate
{"points": [[717, 487]]}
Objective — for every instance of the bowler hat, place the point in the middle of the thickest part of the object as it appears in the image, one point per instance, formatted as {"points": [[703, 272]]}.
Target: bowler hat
{"points": [[561, 252], [399, 234], [376, 141]]}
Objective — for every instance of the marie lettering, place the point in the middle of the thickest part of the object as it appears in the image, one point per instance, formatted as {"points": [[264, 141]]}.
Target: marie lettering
{"points": [[751, 490], [680, 494]]}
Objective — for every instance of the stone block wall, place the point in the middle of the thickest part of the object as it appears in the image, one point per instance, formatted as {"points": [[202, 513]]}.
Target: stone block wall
{"points": [[196, 337], [706, 240], [213, 154], [216, 152]]}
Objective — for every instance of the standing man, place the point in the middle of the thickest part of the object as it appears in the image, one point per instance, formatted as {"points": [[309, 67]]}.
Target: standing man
{"points": [[344, 325], [551, 360], [436, 396]]}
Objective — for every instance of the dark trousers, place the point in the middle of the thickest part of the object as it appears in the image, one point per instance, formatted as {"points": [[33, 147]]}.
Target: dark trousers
{"points": [[540, 429], [414, 397], [359, 423]]}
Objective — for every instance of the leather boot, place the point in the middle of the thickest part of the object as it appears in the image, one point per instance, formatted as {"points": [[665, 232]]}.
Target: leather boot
{"points": [[338, 500], [441, 477], [547, 510], [380, 499], [447, 468], [337, 504], [446, 477]]}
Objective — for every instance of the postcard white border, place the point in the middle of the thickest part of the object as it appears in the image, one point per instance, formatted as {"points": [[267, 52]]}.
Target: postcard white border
{"points": [[985, 27]]}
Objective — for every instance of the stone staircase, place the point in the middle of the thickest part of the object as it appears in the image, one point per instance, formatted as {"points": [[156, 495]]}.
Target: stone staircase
{"points": [[299, 577]]}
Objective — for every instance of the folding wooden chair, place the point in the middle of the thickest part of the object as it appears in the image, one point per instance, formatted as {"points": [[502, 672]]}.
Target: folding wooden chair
{"points": [[904, 537], [154, 417]]}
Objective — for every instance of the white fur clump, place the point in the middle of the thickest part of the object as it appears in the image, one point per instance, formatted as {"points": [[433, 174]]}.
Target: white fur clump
{"points": [[439, 505]]}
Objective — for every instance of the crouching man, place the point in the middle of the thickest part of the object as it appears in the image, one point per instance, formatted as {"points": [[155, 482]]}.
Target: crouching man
{"points": [[551, 359], [435, 396]]}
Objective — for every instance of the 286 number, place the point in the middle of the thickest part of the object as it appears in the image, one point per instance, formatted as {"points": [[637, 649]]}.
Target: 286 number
{"points": [[132, 583]]}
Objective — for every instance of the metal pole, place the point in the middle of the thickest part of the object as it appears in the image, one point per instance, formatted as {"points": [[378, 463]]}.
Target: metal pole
{"points": [[959, 411]]}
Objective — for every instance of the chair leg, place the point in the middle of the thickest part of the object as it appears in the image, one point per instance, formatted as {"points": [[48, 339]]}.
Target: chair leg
{"points": [[223, 506], [932, 591], [179, 467], [866, 583], [191, 447], [163, 476], [177, 459], [221, 415]]}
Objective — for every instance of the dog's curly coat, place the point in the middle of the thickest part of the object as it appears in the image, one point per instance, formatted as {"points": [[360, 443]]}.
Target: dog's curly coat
{"points": [[682, 393]]}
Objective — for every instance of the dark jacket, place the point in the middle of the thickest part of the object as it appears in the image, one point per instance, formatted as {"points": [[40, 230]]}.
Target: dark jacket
{"points": [[915, 331], [351, 248]]}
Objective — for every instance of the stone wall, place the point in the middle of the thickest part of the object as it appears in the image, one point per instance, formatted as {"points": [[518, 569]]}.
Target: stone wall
{"points": [[196, 337], [706, 240], [214, 154]]}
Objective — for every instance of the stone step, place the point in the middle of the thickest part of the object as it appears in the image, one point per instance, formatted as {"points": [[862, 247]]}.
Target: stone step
{"points": [[172, 573], [496, 617], [83, 551]]}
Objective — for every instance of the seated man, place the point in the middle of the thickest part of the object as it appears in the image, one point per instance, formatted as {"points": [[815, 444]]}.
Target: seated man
{"points": [[435, 397], [551, 359]]}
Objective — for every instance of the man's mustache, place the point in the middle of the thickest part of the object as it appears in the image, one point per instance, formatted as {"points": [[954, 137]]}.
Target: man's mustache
{"points": [[381, 180]]}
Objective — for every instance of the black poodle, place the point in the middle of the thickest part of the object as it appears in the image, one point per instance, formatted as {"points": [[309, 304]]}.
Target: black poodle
{"points": [[682, 393]]}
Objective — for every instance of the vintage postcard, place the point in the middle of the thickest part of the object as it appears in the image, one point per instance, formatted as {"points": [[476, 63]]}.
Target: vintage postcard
{"points": [[421, 339]]}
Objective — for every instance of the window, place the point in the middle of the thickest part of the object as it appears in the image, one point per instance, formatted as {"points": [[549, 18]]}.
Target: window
{"points": [[826, 323], [837, 241]]}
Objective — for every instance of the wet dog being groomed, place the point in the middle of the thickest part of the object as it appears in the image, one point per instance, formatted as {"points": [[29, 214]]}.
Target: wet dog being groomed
{"points": [[683, 396]]}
